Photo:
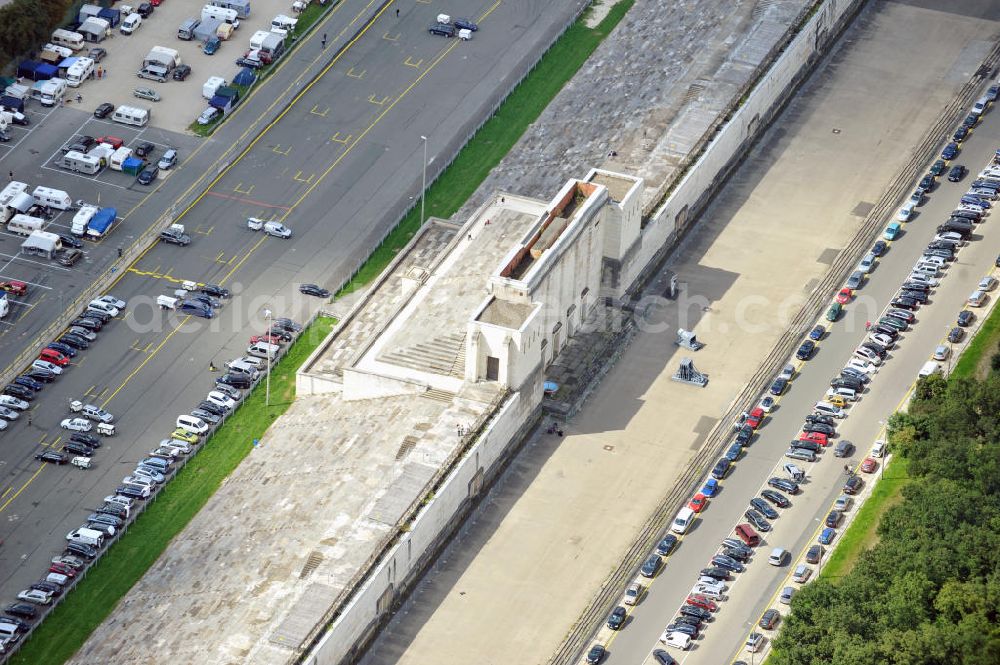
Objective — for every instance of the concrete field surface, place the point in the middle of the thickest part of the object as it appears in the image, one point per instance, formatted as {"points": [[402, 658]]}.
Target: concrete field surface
{"points": [[339, 196], [181, 101], [554, 528]]}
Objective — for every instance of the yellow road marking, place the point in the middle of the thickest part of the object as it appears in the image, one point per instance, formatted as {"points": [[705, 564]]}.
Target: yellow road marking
{"points": [[377, 102], [26, 483], [394, 38], [277, 149], [356, 75], [239, 189], [315, 112], [337, 138], [409, 62], [298, 177]]}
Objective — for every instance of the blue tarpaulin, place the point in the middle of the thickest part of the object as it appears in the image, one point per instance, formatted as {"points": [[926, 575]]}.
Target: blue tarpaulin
{"points": [[45, 71], [245, 77]]}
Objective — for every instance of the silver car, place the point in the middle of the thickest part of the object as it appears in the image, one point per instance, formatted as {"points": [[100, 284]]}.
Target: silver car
{"points": [[146, 93]]}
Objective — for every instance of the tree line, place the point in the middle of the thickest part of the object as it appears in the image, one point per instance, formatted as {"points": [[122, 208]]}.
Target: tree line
{"points": [[25, 25], [929, 591]]}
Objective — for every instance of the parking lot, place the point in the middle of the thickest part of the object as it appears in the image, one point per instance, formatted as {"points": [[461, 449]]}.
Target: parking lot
{"points": [[181, 101]]}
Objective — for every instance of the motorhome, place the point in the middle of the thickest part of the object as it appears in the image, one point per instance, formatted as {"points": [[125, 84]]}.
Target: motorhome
{"points": [[79, 72], [49, 93], [81, 163], [131, 115], [241, 7], [71, 40], [25, 225], [223, 14], [81, 219], [53, 198]]}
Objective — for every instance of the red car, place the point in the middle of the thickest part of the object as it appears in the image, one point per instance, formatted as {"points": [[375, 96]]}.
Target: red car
{"points": [[113, 141], [53, 356], [869, 465], [62, 569], [844, 296], [755, 418], [816, 437], [703, 602], [15, 287], [270, 339], [698, 502]]}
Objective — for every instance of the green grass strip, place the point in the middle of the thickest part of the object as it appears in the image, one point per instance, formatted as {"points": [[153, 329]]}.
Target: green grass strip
{"points": [[861, 534], [93, 599], [495, 139], [981, 348]]}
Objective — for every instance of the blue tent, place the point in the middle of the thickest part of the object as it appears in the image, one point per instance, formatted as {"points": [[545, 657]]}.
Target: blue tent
{"points": [[45, 71], [245, 77]]}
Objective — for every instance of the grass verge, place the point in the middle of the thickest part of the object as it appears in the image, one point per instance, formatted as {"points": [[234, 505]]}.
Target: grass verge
{"points": [[93, 599], [975, 360], [861, 534], [495, 139]]}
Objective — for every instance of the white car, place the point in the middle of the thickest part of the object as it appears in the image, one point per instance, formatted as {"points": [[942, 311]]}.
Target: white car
{"points": [[987, 283], [921, 278], [120, 500], [862, 365], [706, 581], [843, 503], [181, 446], [867, 354], [677, 640], [76, 424], [3, 425], [867, 263], [221, 399], [929, 269], [46, 365], [145, 478], [111, 300], [88, 335], [934, 260], [882, 340], [13, 402], [8, 414], [35, 596]]}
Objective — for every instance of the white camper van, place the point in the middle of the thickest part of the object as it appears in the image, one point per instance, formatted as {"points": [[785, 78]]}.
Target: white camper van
{"points": [[53, 198], [131, 115], [67, 38], [79, 72]]}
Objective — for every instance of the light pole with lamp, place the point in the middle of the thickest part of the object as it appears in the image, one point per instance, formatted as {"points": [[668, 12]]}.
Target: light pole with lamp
{"points": [[267, 380], [423, 189]]}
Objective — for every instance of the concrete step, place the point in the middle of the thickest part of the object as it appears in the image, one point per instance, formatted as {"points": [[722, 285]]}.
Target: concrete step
{"points": [[437, 356], [440, 395]]}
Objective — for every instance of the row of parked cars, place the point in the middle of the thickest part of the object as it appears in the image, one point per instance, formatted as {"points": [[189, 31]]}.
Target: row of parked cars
{"points": [[819, 427]]}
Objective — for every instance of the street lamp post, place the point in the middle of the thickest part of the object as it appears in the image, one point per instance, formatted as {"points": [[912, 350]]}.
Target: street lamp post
{"points": [[423, 189], [267, 380]]}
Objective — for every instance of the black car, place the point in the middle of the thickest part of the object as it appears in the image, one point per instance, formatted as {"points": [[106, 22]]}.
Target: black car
{"points": [[96, 54], [927, 182], [784, 485], [181, 72], [443, 29], [314, 290], [39, 374], [919, 296], [212, 408], [721, 468], [144, 9], [68, 257], [215, 290], [762, 506], [970, 121], [854, 383], [744, 436], [88, 323], [595, 655], [287, 324], [85, 439], [80, 144], [22, 626], [806, 445], [880, 248], [235, 380], [64, 349], [821, 419], [103, 317], [777, 498], [130, 491], [465, 24], [956, 173], [876, 348], [75, 341], [854, 373], [78, 449], [806, 350], [280, 333], [617, 618], [19, 392], [949, 152], [956, 335], [52, 457], [715, 572], [904, 303], [757, 520], [778, 387], [686, 628], [769, 619], [853, 485], [727, 562], [938, 167], [29, 383], [666, 545], [214, 303], [23, 610], [696, 612], [965, 318], [916, 286], [650, 565], [833, 519], [742, 554], [144, 149], [148, 175], [960, 134], [663, 658], [70, 241], [814, 554], [81, 550], [822, 428]]}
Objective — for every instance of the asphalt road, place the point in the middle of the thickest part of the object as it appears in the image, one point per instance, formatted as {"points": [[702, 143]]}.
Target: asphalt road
{"points": [[755, 590], [338, 167]]}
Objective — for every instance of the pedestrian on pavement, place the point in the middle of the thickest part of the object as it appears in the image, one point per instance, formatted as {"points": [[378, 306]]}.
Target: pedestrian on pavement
{"points": [[397, 12], [119, 252], [868, 326], [324, 40], [11, 176]]}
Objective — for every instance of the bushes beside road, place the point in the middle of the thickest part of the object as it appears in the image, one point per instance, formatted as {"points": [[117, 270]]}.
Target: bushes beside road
{"points": [[929, 591]]}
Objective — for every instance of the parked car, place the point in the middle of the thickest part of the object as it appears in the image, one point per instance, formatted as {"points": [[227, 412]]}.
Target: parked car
{"points": [[146, 93]]}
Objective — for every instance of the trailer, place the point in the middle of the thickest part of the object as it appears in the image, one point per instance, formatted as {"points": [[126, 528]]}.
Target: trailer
{"points": [[167, 57], [94, 29], [101, 222], [41, 243]]}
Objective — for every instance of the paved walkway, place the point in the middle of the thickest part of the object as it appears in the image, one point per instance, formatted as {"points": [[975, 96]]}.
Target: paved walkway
{"points": [[512, 586]]}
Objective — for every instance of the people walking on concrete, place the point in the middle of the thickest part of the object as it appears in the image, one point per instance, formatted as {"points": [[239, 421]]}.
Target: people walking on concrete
{"points": [[397, 12], [11, 176], [324, 40]]}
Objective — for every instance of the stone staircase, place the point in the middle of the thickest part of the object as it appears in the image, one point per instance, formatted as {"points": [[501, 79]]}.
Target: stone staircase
{"points": [[458, 367], [437, 356], [439, 395]]}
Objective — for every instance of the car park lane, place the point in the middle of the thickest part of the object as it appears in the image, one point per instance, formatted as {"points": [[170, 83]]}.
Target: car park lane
{"points": [[754, 591]]}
